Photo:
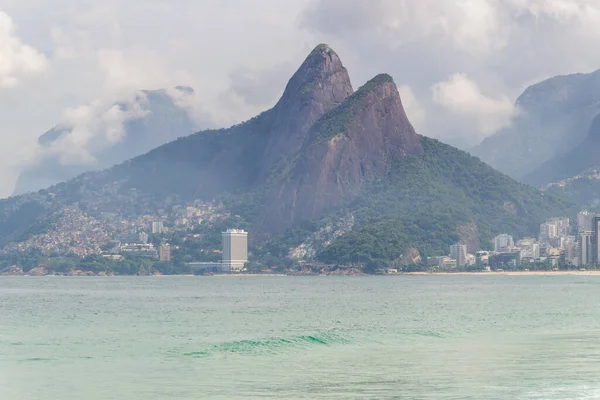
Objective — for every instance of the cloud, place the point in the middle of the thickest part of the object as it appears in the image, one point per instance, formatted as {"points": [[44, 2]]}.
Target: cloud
{"points": [[87, 130], [413, 108], [17, 59], [502, 45], [463, 97], [260, 87], [238, 62]]}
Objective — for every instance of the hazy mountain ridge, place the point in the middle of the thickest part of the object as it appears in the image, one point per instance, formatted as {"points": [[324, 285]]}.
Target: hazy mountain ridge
{"points": [[159, 121], [321, 152], [555, 116], [572, 163]]}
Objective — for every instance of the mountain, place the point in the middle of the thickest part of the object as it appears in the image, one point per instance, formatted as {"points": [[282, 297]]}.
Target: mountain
{"points": [[324, 156], [575, 161], [555, 116], [353, 144], [153, 119]]}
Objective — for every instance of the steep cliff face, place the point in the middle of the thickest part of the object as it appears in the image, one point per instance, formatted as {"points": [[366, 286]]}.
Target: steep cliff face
{"points": [[351, 145], [571, 163], [320, 84], [240, 158]]}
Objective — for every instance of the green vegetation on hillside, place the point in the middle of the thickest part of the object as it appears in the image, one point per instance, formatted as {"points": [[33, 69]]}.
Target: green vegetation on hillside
{"points": [[424, 200], [584, 192], [337, 121]]}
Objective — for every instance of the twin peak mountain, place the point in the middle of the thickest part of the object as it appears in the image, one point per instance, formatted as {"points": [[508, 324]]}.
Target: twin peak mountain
{"points": [[322, 153], [314, 150]]}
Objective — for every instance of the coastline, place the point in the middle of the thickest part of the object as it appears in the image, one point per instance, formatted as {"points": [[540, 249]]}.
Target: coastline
{"points": [[550, 273], [254, 275]]}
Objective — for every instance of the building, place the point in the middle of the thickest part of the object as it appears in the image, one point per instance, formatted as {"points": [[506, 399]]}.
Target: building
{"points": [[459, 253], [563, 226], [202, 267], [571, 254], [164, 252], [554, 228], [503, 243], [503, 260], [548, 232], [584, 248], [448, 263], [482, 258], [595, 241], [530, 249], [137, 250], [584, 221], [157, 227], [235, 249], [143, 236]]}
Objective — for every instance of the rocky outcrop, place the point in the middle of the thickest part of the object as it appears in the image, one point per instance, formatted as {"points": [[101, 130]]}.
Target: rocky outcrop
{"points": [[351, 145], [469, 235], [13, 270], [38, 271]]}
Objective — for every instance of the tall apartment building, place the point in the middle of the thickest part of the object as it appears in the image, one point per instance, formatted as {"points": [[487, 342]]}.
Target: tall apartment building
{"points": [[554, 228], [503, 242], [584, 221], [143, 236], [235, 250], [459, 253], [157, 227], [595, 256], [584, 248], [548, 231], [164, 253]]}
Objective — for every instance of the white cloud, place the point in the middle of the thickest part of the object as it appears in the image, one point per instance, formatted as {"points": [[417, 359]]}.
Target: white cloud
{"points": [[500, 44], [463, 97], [238, 63], [17, 59], [413, 108], [92, 128]]}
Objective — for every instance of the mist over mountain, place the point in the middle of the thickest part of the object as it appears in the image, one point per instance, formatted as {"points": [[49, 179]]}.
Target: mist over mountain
{"points": [[323, 154], [100, 136], [572, 162], [555, 117]]}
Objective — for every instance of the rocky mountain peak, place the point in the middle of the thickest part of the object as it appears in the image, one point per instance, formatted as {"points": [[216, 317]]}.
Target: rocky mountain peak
{"points": [[319, 85], [354, 143]]}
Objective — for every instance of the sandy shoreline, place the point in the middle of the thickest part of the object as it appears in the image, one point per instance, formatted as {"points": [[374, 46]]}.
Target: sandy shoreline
{"points": [[479, 273], [592, 272], [524, 273]]}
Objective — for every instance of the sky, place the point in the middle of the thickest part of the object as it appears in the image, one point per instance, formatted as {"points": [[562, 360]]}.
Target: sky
{"points": [[459, 64]]}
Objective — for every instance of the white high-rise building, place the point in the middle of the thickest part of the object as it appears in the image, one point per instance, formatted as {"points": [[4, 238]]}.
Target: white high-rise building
{"points": [[235, 250], [585, 249], [584, 221], [503, 242], [459, 253], [157, 227]]}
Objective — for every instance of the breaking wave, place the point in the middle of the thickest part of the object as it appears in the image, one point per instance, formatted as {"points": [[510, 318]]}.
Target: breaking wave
{"points": [[271, 345]]}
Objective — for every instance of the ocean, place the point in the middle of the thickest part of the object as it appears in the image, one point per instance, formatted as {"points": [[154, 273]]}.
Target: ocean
{"points": [[366, 337]]}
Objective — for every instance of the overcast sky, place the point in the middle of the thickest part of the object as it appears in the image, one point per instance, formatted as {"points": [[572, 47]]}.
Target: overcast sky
{"points": [[459, 64]]}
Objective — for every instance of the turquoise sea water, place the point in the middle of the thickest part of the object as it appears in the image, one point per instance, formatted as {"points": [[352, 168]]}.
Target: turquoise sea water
{"points": [[403, 337]]}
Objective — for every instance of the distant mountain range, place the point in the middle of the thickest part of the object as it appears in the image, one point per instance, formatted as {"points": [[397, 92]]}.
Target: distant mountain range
{"points": [[546, 139], [323, 152], [575, 161], [161, 120]]}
